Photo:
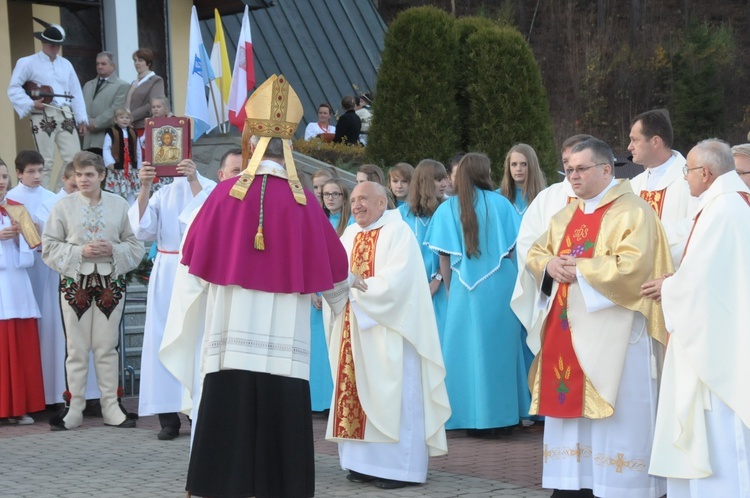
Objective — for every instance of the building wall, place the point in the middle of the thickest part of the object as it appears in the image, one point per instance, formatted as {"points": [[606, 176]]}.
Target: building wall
{"points": [[178, 20], [16, 41]]}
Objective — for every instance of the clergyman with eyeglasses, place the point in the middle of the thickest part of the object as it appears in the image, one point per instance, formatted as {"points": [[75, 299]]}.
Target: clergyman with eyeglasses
{"points": [[702, 435], [592, 376]]}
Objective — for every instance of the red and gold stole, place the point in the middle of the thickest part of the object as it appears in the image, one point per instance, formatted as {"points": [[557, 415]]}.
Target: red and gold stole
{"points": [[561, 387], [348, 416], [745, 196], [655, 199]]}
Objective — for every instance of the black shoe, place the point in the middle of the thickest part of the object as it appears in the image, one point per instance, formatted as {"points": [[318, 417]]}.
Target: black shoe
{"points": [[168, 433], [359, 478], [93, 409], [483, 433], [392, 484], [128, 423], [57, 424]]}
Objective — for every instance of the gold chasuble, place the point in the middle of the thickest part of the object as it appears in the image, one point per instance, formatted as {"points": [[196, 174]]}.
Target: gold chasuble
{"points": [[655, 199], [617, 247], [562, 382], [348, 416]]}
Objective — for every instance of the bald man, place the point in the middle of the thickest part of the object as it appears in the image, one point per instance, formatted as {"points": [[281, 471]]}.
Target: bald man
{"points": [[389, 403]]}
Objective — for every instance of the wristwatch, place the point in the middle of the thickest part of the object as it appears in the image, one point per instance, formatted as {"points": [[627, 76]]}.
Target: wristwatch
{"points": [[438, 277]]}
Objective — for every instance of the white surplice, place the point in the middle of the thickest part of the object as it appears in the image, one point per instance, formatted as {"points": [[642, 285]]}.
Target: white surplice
{"points": [[160, 391], [535, 223]]}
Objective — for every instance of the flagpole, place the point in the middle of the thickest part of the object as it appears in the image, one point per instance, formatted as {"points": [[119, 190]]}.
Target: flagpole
{"points": [[213, 99]]}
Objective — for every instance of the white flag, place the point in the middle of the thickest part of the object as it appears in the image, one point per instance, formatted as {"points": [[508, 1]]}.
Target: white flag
{"points": [[199, 77]]}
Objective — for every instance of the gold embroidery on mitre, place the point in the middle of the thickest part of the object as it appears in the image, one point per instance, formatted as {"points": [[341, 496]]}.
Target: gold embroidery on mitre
{"points": [[273, 111]]}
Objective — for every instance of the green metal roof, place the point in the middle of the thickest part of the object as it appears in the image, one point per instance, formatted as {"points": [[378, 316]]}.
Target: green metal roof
{"points": [[326, 48]]}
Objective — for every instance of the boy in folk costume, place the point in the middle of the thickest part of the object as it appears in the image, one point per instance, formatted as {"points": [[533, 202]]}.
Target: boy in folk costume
{"points": [[88, 240], [122, 155]]}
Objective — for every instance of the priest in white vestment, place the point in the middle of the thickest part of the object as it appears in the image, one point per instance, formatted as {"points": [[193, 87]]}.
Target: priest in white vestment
{"points": [[390, 403], [594, 376], [662, 184], [702, 438]]}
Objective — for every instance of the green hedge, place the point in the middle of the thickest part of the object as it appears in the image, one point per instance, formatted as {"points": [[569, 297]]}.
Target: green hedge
{"points": [[507, 99], [448, 85]]}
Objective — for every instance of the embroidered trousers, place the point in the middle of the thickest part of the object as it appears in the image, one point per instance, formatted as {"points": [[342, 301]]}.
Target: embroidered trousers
{"points": [[53, 127], [92, 308]]}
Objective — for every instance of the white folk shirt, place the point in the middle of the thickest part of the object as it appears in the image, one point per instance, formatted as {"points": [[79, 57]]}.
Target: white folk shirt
{"points": [[57, 74], [73, 223], [16, 296]]}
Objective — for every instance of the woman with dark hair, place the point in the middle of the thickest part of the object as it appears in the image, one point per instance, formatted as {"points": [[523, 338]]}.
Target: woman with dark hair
{"points": [[349, 124], [425, 195], [321, 126], [144, 88], [474, 233], [522, 177]]}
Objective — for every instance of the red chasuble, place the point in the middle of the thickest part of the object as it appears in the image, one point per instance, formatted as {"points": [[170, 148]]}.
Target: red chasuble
{"points": [[562, 381], [655, 199], [348, 416]]}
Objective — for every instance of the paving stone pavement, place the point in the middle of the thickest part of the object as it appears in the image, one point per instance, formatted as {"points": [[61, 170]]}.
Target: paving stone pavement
{"points": [[99, 461]]}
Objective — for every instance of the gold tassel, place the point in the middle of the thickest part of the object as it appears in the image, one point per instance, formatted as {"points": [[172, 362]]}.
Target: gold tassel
{"points": [[259, 244]]}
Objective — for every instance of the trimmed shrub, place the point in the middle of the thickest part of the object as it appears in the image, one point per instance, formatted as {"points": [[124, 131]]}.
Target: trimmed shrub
{"points": [[347, 157], [508, 101], [415, 115], [465, 27]]}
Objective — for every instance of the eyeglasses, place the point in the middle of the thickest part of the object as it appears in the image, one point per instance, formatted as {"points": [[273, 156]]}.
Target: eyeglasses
{"points": [[685, 169], [581, 170], [743, 173], [332, 195]]}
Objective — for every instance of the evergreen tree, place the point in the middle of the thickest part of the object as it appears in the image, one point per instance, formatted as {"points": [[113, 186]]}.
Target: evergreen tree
{"points": [[415, 115], [508, 101], [702, 69]]}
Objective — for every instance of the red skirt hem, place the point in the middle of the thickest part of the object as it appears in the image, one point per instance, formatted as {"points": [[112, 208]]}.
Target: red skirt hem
{"points": [[21, 383]]}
